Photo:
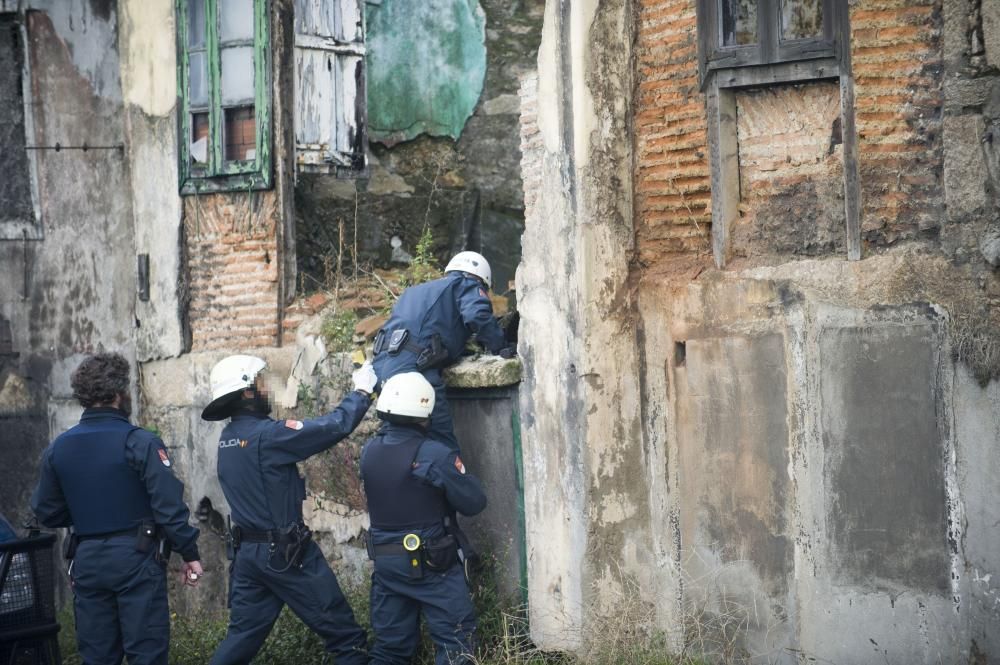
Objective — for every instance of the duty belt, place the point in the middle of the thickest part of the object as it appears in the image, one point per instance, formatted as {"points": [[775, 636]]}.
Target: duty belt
{"points": [[244, 535], [389, 549], [109, 534], [409, 345]]}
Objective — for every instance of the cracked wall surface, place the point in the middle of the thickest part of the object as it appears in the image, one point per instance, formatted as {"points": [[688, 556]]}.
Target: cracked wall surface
{"points": [[806, 457]]}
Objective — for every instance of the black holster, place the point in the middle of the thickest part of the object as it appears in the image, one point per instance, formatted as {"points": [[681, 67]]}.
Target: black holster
{"points": [[70, 544], [434, 356], [145, 537], [295, 539], [467, 552], [441, 554]]}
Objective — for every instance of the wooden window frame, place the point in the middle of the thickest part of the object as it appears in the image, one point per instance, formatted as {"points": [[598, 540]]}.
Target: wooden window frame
{"points": [[771, 47], [218, 175], [726, 70]]}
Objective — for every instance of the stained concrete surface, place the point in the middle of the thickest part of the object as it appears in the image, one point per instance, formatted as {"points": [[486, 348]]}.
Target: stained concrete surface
{"points": [[884, 456], [736, 429], [71, 293], [484, 425]]}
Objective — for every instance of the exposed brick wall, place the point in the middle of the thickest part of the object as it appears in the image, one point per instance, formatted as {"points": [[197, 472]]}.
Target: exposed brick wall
{"points": [[896, 58], [672, 190], [233, 273], [791, 170], [897, 61]]}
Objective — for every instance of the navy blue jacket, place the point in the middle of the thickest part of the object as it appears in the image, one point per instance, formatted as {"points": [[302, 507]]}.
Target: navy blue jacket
{"points": [[430, 465], [454, 307], [6, 530], [257, 457], [105, 475]]}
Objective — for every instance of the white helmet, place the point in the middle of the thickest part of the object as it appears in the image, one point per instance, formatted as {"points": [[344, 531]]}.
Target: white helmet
{"points": [[474, 263], [407, 394], [230, 376]]}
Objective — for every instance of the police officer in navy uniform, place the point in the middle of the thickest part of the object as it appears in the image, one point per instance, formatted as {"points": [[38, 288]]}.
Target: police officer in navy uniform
{"points": [[414, 484], [430, 325], [112, 482], [275, 561]]}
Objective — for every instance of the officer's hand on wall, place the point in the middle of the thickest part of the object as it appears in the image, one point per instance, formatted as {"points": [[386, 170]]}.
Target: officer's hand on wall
{"points": [[192, 572], [364, 378]]}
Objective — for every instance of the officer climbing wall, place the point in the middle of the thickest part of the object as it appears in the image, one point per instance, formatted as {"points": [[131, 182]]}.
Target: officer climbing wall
{"points": [[112, 482], [414, 484], [430, 325], [275, 560]]}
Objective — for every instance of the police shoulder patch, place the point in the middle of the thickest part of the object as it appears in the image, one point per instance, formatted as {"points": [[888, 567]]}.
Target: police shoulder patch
{"points": [[459, 465], [163, 456], [294, 424]]}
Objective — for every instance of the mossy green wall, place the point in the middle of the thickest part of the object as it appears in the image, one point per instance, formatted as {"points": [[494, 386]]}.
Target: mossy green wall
{"points": [[426, 67]]}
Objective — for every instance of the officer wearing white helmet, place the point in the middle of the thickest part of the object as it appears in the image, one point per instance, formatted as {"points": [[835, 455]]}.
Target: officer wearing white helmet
{"points": [[430, 325], [275, 561], [414, 485]]}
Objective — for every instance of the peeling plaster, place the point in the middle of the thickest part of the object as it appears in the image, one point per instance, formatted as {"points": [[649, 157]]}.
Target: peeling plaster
{"points": [[149, 58], [89, 40]]}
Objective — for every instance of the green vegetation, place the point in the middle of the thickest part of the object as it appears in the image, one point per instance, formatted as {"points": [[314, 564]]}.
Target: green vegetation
{"points": [[503, 636], [337, 331], [424, 266]]}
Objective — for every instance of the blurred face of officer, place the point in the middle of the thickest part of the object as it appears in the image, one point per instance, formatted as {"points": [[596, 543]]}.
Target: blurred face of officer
{"points": [[258, 398]]}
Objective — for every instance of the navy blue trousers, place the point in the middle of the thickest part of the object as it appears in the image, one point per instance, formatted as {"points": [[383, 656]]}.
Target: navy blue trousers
{"points": [[397, 603], [257, 594], [120, 603]]}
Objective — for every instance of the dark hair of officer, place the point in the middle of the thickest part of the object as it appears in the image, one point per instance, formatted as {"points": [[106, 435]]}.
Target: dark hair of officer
{"points": [[100, 379]]}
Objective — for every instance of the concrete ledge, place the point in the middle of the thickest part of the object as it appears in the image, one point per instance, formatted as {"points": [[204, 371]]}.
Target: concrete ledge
{"points": [[483, 372]]}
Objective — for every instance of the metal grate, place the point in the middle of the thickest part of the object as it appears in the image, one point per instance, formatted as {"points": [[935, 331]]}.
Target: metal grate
{"points": [[27, 601]]}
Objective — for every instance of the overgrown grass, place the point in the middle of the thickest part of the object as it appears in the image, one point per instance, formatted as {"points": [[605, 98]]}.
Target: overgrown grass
{"points": [[337, 331], [503, 637]]}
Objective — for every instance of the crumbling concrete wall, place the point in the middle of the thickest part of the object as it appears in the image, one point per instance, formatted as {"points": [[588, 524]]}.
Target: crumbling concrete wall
{"points": [[831, 415], [147, 42], [72, 291], [803, 472], [587, 519], [466, 189]]}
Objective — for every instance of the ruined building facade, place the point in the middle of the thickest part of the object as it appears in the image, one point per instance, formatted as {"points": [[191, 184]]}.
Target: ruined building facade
{"points": [[178, 174], [755, 248], [759, 325]]}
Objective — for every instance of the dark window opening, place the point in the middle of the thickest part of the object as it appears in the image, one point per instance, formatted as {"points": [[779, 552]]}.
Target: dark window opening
{"points": [[739, 22], [16, 200], [241, 134], [749, 33]]}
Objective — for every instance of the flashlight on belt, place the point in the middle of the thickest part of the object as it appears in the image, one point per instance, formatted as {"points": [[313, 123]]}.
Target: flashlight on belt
{"points": [[411, 543]]}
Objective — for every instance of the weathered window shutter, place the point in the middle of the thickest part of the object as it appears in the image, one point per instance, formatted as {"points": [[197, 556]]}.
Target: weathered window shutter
{"points": [[330, 115]]}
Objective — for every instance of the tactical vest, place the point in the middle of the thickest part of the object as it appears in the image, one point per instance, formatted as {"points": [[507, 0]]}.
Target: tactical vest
{"points": [[396, 500], [103, 492]]}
